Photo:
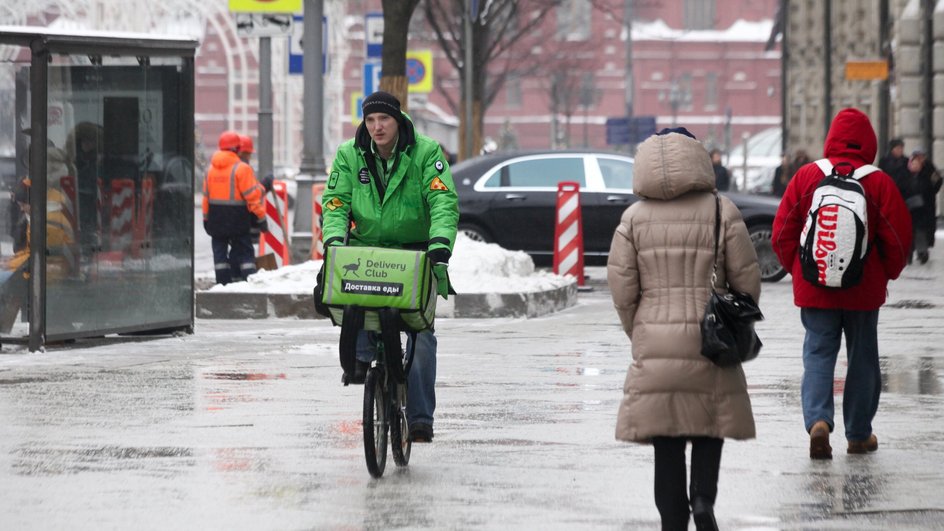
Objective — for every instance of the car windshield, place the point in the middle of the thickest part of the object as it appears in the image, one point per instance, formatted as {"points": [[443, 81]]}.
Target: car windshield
{"points": [[617, 173], [545, 172]]}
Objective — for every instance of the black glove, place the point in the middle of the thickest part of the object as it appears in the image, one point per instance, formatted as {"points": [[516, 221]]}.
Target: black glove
{"points": [[267, 182], [439, 256], [260, 225]]}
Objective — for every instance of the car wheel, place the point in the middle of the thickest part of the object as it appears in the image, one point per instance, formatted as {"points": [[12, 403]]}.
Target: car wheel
{"points": [[770, 268], [474, 233]]}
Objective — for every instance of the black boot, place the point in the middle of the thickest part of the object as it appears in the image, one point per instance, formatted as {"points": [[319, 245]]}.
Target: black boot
{"points": [[703, 512]]}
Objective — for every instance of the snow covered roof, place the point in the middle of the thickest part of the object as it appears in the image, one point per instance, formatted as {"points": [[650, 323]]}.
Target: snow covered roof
{"points": [[740, 31]]}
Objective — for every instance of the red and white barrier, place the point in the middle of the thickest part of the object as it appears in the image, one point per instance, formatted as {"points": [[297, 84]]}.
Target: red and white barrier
{"points": [[568, 232], [317, 214], [144, 216], [121, 217], [277, 218]]}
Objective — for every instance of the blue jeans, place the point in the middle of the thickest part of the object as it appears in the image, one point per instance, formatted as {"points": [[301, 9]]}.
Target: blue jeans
{"points": [[421, 382], [824, 331]]}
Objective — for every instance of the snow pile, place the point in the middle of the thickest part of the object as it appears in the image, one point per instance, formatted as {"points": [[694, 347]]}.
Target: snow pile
{"points": [[475, 267]]}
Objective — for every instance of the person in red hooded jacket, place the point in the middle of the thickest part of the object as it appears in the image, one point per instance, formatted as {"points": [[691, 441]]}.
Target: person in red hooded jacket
{"points": [[829, 313]]}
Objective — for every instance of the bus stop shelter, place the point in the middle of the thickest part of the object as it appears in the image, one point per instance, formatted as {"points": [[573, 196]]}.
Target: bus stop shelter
{"points": [[97, 202]]}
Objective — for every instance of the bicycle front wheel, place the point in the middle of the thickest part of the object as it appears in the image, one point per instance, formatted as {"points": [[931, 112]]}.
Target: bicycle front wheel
{"points": [[399, 428], [376, 421]]}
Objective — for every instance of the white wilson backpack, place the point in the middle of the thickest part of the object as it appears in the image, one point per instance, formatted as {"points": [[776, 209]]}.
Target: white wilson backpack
{"points": [[834, 241]]}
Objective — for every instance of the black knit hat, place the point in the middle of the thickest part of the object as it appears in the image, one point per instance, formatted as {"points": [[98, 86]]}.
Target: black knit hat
{"points": [[679, 130], [384, 102]]}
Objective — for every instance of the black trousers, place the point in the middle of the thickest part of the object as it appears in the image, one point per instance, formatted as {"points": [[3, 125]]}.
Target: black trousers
{"points": [[671, 498], [233, 258]]}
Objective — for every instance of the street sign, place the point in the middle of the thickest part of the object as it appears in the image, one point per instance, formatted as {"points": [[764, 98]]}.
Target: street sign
{"points": [[373, 35], [866, 70], [262, 24], [357, 114], [419, 71], [617, 131], [371, 77], [265, 6], [641, 128], [296, 56]]}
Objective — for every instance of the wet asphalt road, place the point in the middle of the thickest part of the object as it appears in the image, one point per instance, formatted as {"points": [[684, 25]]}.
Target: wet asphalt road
{"points": [[244, 425]]}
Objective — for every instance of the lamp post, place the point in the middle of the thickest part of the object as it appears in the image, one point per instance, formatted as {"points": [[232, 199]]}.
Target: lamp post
{"points": [[675, 100]]}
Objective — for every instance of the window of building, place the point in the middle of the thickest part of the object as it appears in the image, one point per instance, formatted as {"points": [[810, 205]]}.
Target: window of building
{"points": [[573, 20], [513, 91], [698, 14], [711, 90]]}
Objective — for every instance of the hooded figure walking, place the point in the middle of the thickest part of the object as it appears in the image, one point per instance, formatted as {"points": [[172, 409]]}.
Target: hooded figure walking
{"points": [[659, 272]]}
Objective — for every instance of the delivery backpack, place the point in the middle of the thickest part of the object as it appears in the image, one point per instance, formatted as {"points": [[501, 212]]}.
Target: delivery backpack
{"points": [[835, 238]]}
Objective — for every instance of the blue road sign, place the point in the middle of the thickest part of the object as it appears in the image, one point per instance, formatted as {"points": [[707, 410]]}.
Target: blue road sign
{"points": [[373, 35], [617, 131], [296, 51], [371, 77], [641, 128]]}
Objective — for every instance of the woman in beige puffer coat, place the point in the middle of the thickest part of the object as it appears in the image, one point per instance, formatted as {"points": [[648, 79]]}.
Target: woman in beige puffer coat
{"points": [[659, 273]]}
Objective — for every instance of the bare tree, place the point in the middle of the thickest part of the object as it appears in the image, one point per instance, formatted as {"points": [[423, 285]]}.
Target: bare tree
{"points": [[397, 15], [506, 35]]}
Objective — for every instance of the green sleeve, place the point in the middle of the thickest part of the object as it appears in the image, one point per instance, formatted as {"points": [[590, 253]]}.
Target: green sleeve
{"points": [[443, 203], [336, 200]]}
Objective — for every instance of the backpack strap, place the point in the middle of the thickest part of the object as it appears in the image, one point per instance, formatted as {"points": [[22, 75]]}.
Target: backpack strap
{"points": [[827, 168]]}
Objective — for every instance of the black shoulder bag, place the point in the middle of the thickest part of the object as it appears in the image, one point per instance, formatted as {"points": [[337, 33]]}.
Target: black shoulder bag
{"points": [[727, 329]]}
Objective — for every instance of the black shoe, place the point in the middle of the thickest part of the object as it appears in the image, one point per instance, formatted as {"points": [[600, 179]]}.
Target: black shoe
{"points": [[923, 258], [703, 513], [360, 373], [421, 433]]}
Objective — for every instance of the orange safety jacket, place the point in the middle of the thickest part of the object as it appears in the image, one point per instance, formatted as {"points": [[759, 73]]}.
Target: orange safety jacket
{"points": [[232, 197]]}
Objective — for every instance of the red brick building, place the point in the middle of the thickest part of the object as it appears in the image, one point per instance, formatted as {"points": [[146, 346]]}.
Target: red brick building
{"points": [[702, 64]]}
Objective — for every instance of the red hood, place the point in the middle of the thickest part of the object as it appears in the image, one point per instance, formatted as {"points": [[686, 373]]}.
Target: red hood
{"points": [[851, 137]]}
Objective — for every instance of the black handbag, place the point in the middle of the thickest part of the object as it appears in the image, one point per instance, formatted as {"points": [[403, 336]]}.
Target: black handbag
{"points": [[727, 329]]}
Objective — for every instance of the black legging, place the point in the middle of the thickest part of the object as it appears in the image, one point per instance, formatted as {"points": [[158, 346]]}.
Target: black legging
{"points": [[671, 499]]}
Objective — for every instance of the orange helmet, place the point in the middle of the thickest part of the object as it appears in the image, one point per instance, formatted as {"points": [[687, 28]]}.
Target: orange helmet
{"points": [[229, 140], [245, 144]]}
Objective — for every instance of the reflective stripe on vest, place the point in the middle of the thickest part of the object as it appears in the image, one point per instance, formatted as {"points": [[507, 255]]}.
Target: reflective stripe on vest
{"points": [[232, 190]]}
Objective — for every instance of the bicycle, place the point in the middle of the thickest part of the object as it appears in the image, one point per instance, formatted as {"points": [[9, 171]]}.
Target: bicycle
{"points": [[385, 388], [386, 292]]}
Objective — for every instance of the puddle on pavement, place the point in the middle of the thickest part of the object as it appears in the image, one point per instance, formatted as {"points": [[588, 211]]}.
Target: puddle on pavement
{"points": [[244, 376], [23, 380], [910, 304], [914, 377], [38, 461]]}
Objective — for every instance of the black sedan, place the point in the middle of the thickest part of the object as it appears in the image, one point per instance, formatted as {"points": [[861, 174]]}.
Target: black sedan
{"points": [[510, 199]]}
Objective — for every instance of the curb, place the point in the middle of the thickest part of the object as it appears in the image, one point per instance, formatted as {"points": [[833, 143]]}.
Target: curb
{"points": [[235, 305]]}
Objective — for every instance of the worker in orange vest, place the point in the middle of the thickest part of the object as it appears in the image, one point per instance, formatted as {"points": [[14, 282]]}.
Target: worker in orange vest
{"points": [[233, 211], [245, 154]]}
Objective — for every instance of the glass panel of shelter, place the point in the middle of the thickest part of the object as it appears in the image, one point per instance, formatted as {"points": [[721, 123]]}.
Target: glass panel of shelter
{"points": [[114, 258]]}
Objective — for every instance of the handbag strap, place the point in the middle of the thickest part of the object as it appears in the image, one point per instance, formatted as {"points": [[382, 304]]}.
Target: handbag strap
{"points": [[714, 263]]}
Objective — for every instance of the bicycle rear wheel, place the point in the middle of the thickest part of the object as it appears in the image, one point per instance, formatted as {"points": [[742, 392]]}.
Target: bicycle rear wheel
{"points": [[399, 429], [376, 420]]}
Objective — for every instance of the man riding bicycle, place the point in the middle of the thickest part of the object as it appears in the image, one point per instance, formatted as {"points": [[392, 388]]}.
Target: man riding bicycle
{"points": [[394, 186]]}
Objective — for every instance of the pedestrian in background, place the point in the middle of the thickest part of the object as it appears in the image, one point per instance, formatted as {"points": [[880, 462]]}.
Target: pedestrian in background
{"points": [[659, 272], [233, 210], [895, 164], [722, 175], [926, 182], [246, 149], [828, 314], [782, 176]]}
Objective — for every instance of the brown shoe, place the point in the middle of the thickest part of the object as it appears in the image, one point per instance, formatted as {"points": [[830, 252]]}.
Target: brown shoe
{"points": [[819, 441], [862, 447]]}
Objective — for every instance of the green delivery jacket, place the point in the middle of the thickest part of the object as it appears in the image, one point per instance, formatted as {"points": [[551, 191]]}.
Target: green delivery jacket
{"points": [[417, 209]]}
